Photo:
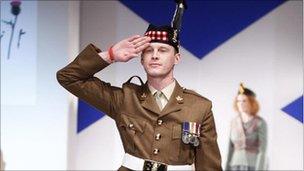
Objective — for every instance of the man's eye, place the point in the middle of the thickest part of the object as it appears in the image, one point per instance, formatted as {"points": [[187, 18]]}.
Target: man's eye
{"points": [[163, 50], [148, 50]]}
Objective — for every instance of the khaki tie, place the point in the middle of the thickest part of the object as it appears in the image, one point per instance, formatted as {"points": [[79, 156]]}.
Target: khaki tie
{"points": [[158, 96]]}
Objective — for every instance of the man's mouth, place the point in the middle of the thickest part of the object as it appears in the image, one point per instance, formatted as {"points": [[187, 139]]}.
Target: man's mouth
{"points": [[154, 65]]}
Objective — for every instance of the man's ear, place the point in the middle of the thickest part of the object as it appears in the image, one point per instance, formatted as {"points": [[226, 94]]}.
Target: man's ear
{"points": [[177, 58]]}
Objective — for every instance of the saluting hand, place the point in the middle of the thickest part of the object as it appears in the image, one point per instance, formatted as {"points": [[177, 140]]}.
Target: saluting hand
{"points": [[130, 47]]}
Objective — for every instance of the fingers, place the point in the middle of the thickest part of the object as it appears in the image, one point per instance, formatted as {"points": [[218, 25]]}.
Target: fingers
{"points": [[143, 41], [140, 40], [138, 51], [130, 39], [142, 47], [135, 45]]}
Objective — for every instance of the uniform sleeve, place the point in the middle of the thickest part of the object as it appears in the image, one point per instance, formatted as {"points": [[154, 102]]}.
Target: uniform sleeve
{"points": [[78, 78], [262, 134], [207, 154]]}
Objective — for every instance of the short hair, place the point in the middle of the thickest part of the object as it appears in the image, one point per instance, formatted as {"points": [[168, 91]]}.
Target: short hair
{"points": [[254, 105]]}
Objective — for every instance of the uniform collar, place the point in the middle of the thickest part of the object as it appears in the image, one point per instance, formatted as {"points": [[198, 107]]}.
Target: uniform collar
{"points": [[174, 104], [167, 91]]}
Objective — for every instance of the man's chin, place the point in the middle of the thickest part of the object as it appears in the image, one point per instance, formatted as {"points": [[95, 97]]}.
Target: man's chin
{"points": [[155, 74]]}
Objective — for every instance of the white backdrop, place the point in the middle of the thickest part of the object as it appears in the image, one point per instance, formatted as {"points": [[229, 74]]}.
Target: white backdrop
{"points": [[34, 119]]}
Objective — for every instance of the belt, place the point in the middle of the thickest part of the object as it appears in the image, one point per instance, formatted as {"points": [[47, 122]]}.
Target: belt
{"points": [[135, 163]]}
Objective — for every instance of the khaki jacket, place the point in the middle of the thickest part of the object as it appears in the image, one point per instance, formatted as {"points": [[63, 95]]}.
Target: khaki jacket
{"points": [[139, 119]]}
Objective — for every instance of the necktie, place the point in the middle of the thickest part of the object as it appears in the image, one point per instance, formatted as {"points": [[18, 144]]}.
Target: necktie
{"points": [[158, 95]]}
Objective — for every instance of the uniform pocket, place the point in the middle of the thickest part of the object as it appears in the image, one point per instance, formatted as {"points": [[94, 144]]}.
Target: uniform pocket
{"points": [[180, 152], [175, 143], [132, 124], [177, 132], [130, 130]]}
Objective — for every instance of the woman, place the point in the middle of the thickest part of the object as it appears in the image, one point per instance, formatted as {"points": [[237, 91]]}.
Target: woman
{"points": [[248, 134]]}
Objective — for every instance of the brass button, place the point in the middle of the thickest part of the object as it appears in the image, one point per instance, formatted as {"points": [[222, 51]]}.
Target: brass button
{"points": [[143, 95], [159, 122], [157, 136], [131, 125], [155, 151]]}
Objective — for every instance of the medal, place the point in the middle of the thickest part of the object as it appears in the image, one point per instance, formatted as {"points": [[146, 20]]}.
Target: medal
{"points": [[191, 132]]}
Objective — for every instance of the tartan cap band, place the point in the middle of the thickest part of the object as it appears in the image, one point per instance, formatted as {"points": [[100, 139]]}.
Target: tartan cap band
{"points": [[163, 34]]}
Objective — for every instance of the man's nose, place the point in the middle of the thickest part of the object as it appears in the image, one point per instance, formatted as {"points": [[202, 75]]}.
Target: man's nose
{"points": [[155, 55]]}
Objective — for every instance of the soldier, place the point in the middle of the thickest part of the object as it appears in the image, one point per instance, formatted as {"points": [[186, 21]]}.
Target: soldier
{"points": [[162, 125]]}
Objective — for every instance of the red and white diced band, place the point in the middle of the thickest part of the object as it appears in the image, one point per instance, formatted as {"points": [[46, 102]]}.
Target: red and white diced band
{"points": [[157, 35]]}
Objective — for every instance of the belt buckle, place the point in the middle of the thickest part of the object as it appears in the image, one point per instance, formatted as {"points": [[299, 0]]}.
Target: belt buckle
{"points": [[154, 166]]}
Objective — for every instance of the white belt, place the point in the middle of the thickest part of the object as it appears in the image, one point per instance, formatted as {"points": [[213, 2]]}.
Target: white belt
{"points": [[136, 163]]}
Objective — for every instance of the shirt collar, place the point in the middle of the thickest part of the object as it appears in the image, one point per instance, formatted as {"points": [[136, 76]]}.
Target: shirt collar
{"points": [[167, 91]]}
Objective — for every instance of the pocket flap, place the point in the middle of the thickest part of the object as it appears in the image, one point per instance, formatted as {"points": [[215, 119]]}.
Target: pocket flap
{"points": [[132, 123]]}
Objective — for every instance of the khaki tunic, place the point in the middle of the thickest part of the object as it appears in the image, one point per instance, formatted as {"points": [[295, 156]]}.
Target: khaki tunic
{"points": [[139, 119]]}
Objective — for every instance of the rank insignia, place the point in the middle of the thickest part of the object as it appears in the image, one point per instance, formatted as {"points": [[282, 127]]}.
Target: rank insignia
{"points": [[142, 96], [179, 99]]}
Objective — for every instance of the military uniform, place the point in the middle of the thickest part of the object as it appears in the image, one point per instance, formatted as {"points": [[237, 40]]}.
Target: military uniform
{"points": [[146, 131]]}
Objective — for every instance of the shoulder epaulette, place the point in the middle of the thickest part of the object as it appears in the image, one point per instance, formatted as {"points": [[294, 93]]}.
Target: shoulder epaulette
{"points": [[129, 83], [135, 76], [188, 91]]}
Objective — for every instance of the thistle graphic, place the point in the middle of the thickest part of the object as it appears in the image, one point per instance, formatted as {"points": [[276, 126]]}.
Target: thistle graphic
{"points": [[15, 10]]}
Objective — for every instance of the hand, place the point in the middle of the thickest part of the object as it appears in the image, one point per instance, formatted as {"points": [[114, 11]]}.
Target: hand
{"points": [[129, 48]]}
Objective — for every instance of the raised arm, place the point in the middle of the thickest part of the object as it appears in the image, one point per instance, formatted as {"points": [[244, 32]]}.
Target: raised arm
{"points": [[78, 76]]}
